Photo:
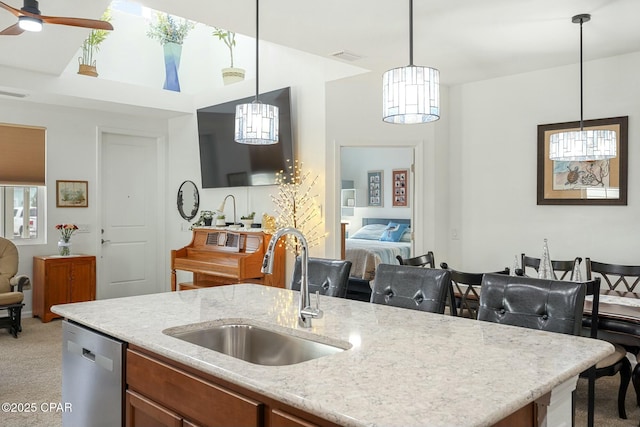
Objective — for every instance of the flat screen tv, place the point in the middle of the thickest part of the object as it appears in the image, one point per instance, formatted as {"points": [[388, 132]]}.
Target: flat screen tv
{"points": [[226, 163]]}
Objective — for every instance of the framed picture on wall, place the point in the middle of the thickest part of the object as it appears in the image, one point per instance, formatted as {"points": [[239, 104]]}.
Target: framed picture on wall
{"points": [[375, 189], [400, 181], [72, 194], [598, 182]]}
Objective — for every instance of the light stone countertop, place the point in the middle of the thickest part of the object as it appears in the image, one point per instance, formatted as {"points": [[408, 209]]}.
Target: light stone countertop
{"points": [[405, 367]]}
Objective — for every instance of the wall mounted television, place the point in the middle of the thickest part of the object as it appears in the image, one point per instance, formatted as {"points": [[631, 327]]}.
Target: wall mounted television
{"points": [[225, 163]]}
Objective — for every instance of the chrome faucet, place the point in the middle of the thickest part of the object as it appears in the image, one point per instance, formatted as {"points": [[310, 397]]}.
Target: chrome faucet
{"points": [[305, 311]]}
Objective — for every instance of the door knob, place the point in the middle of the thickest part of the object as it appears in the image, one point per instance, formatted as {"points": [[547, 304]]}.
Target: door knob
{"points": [[105, 241]]}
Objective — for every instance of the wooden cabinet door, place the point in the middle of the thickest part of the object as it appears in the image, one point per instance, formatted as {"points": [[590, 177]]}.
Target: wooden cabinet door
{"points": [[56, 286], [143, 412], [83, 280]]}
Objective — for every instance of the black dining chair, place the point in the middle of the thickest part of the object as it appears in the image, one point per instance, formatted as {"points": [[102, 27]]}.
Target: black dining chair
{"points": [[624, 278], [562, 269], [555, 306], [327, 276], [620, 278], [426, 260], [406, 286], [466, 289]]}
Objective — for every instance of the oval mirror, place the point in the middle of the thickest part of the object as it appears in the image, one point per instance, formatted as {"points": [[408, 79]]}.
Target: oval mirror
{"points": [[188, 200]]}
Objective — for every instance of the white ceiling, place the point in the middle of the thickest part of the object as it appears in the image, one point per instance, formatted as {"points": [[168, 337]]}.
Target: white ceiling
{"points": [[467, 40]]}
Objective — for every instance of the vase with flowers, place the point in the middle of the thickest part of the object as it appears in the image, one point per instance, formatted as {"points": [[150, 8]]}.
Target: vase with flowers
{"points": [[64, 244], [170, 31]]}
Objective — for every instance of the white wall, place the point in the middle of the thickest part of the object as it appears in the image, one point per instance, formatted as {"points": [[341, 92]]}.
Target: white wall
{"points": [[72, 138], [477, 173], [306, 75], [479, 177], [354, 118], [493, 168], [72, 154]]}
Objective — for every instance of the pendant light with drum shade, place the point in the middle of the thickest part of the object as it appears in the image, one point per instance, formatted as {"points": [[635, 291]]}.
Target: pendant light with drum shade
{"points": [[582, 145], [256, 123], [411, 94]]}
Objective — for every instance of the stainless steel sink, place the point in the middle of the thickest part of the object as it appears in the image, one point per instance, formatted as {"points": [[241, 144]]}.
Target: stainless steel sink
{"points": [[257, 345]]}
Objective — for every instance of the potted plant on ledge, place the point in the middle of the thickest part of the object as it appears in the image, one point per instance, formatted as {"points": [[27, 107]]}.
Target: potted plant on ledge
{"points": [[90, 46], [231, 74], [247, 220], [206, 217]]}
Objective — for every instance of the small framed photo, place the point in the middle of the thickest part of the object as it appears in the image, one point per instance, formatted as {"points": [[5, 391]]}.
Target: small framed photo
{"points": [[72, 194], [374, 178], [400, 179]]}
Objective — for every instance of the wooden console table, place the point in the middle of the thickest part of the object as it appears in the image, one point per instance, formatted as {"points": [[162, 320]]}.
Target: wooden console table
{"points": [[221, 256]]}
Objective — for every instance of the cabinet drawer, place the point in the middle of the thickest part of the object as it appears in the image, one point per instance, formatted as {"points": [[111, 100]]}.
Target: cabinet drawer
{"points": [[280, 418], [192, 397]]}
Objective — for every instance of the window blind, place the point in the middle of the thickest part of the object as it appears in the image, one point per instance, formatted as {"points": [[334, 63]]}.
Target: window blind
{"points": [[22, 155]]}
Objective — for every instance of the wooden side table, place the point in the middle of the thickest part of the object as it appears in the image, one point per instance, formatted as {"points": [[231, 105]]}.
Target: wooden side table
{"points": [[61, 280]]}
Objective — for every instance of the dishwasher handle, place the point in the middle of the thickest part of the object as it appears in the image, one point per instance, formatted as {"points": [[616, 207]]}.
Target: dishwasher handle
{"points": [[88, 354]]}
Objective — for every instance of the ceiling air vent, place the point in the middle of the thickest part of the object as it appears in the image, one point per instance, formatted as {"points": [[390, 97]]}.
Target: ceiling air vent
{"points": [[346, 55]]}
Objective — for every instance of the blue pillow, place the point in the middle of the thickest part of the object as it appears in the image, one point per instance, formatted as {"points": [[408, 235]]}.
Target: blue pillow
{"points": [[393, 232]]}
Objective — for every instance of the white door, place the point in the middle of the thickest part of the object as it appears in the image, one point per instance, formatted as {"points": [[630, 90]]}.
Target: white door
{"points": [[129, 197]]}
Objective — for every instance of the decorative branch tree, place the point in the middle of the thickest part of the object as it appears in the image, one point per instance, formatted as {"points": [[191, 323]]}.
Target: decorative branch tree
{"points": [[296, 206]]}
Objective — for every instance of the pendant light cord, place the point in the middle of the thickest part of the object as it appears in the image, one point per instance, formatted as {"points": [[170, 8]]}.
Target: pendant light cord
{"points": [[411, 33], [257, 47], [581, 107]]}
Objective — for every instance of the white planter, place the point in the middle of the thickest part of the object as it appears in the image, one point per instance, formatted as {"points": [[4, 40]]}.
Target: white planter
{"points": [[221, 222], [246, 222], [232, 75]]}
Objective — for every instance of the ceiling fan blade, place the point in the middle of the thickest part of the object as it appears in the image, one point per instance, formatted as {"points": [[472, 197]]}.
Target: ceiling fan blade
{"points": [[78, 22], [16, 12], [13, 30]]}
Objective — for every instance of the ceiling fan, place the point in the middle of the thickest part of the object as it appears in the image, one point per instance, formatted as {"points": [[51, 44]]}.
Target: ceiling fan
{"points": [[30, 19]]}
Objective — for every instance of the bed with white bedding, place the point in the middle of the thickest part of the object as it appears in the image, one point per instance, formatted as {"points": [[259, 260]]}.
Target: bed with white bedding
{"points": [[379, 240]]}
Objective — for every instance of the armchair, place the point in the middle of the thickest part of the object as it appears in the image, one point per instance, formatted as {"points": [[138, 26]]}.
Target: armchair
{"points": [[11, 287]]}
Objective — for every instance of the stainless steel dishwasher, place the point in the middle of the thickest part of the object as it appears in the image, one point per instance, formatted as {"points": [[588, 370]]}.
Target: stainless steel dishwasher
{"points": [[92, 377]]}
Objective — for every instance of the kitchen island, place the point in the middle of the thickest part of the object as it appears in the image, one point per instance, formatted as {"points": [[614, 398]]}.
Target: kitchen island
{"points": [[402, 367]]}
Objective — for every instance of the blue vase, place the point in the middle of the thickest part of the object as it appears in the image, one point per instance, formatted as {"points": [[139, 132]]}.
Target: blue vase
{"points": [[172, 53]]}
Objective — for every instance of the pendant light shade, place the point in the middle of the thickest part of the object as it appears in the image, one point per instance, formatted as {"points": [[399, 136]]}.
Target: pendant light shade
{"points": [[256, 123], [411, 94], [582, 145]]}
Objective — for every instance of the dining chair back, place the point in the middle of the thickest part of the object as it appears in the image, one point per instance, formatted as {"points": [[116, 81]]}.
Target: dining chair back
{"points": [[621, 278], [556, 306], [327, 276], [618, 277], [563, 270], [426, 260], [417, 288], [466, 289]]}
